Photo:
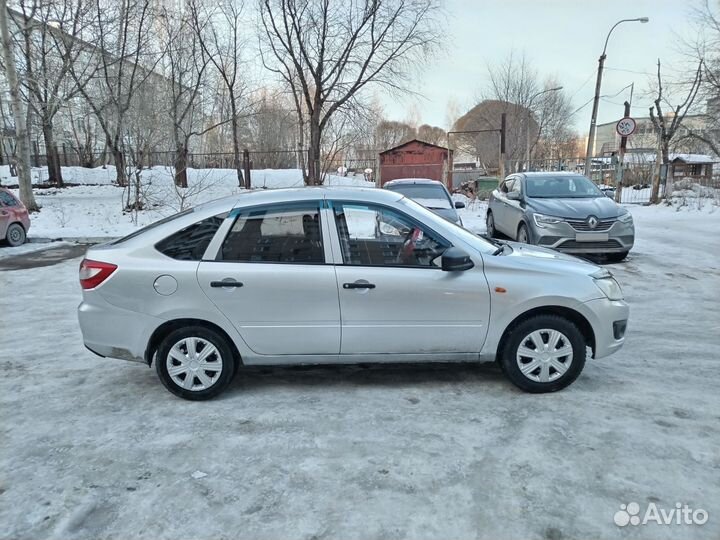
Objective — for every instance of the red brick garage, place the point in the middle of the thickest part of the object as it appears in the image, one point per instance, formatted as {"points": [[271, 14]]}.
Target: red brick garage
{"points": [[416, 159]]}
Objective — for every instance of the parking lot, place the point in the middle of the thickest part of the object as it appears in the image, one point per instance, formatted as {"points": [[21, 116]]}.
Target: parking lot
{"points": [[96, 448]]}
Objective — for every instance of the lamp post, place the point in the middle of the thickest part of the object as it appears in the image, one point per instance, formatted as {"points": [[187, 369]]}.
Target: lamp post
{"points": [[596, 100], [527, 123]]}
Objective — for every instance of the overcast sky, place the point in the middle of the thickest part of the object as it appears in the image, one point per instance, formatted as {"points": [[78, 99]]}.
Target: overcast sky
{"points": [[560, 37]]}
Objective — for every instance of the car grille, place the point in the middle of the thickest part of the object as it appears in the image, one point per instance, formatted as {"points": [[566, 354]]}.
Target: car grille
{"points": [[582, 224], [572, 244]]}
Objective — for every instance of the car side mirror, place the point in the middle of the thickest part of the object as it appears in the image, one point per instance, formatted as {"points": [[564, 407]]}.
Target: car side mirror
{"points": [[456, 260], [459, 204], [513, 196]]}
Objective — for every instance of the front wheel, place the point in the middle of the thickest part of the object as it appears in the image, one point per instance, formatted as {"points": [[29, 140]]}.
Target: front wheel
{"points": [[545, 353], [617, 257], [195, 363], [490, 225], [522, 236], [15, 235]]}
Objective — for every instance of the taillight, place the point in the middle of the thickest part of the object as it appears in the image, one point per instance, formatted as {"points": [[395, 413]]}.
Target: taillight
{"points": [[93, 273]]}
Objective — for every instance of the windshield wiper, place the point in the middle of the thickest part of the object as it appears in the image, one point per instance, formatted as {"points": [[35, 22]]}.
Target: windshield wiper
{"points": [[501, 246]]}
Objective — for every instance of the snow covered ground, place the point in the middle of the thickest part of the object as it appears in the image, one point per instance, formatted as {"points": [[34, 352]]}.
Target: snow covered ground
{"points": [[94, 448], [95, 209]]}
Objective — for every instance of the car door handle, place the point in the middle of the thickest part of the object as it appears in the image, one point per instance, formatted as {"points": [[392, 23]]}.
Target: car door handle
{"points": [[358, 285], [228, 283]]}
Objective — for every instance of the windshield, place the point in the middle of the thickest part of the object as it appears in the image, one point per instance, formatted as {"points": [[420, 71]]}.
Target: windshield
{"points": [[477, 242], [561, 187], [429, 195]]}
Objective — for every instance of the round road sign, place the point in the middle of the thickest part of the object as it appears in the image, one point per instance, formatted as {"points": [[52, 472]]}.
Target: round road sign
{"points": [[626, 126]]}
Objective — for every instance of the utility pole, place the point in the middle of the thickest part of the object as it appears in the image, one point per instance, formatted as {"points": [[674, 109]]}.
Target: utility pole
{"points": [[503, 132], [596, 100], [621, 157]]}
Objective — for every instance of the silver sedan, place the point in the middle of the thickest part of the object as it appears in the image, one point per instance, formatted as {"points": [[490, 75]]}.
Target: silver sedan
{"points": [[560, 210], [326, 276]]}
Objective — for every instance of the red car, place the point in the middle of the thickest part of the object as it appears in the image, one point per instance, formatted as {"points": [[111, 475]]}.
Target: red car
{"points": [[14, 219]]}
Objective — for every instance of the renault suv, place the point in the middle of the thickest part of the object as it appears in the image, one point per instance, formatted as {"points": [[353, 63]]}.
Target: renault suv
{"points": [[565, 211], [339, 275]]}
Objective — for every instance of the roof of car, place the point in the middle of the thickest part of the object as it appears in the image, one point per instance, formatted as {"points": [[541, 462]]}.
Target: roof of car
{"points": [[267, 196], [550, 173], [400, 181]]}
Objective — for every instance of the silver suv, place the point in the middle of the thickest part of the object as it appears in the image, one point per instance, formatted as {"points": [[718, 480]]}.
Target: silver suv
{"points": [[561, 210], [326, 276]]}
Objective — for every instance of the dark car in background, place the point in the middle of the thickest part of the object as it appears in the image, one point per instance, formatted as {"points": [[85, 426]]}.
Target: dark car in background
{"points": [[560, 210], [431, 194]]}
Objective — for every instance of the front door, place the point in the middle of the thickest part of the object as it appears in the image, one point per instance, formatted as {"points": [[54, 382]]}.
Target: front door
{"points": [[271, 280], [394, 298]]}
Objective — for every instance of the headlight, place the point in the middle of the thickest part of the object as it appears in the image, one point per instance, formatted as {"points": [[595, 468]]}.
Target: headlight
{"points": [[626, 218], [609, 287], [542, 220]]}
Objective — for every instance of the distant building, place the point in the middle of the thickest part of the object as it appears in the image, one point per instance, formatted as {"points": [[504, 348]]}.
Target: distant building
{"points": [[645, 137], [416, 159]]}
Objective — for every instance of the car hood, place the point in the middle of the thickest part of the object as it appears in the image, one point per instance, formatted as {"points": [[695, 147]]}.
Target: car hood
{"points": [[551, 259], [601, 207]]}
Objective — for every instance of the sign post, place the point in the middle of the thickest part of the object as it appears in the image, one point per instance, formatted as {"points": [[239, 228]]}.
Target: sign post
{"points": [[625, 127]]}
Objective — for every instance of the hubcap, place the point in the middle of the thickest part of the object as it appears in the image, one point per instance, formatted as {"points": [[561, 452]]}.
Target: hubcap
{"points": [[544, 355], [522, 237], [194, 364], [15, 234]]}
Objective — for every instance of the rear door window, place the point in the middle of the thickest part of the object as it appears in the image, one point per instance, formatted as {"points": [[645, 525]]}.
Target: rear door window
{"points": [[190, 243], [276, 234]]}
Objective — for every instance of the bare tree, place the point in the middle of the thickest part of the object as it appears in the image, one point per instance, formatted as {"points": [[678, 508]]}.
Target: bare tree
{"points": [[123, 62], [49, 41], [21, 135], [184, 62], [390, 133], [327, 52], [219, 30], [432, 134], [668, 125]]}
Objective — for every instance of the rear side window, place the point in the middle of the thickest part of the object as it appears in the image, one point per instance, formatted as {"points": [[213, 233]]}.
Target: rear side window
{"points": [[280, 234], [7, 199], [190, 243]]}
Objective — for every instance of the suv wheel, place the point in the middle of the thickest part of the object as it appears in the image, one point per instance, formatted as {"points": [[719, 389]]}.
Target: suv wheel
{"points": [[490, 225], [545, 353], [195, 363], [522, 235], [15, 235]]}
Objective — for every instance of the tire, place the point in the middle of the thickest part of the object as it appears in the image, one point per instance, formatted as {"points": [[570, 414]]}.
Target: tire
{"points": [[15, 235], [490, 225], [523, 236], [616, 257], [206, 383], [547, 375]]}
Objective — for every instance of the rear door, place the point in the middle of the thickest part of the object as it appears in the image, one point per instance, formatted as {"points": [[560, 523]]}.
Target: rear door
{"points": [[272, 280], [394, 298]]}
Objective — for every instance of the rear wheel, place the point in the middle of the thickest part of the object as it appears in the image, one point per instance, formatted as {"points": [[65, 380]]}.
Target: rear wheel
{"points": [[490, 225], [15, 235], [522, 235], [195, 363], [545, 353]]}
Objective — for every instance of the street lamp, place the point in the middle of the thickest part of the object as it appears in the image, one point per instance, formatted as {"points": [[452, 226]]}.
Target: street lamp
{"points": [[527, 123], [596, 100]]}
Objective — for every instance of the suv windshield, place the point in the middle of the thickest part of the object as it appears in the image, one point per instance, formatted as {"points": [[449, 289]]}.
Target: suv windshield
{"points": [[561, 187], [429, 195]]}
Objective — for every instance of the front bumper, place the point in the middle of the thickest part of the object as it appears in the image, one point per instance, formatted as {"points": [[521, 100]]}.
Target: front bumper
{"points": [[609, 320], [620, 237]]}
